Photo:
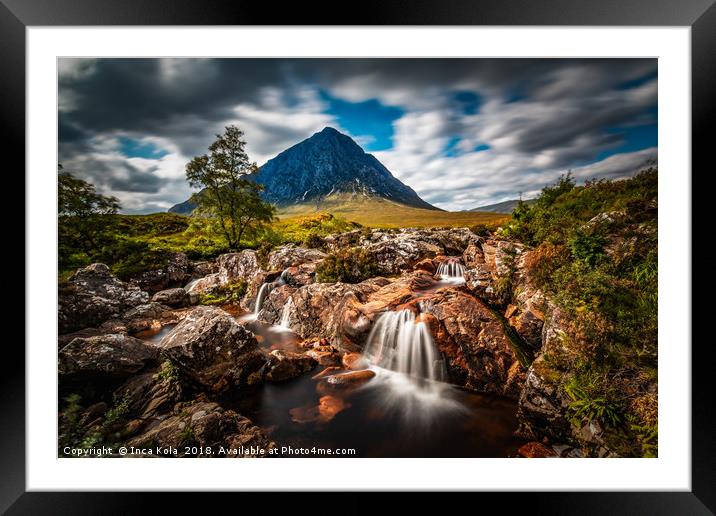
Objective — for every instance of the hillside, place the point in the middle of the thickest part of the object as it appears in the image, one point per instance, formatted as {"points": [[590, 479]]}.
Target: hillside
{"points": [[505, 207], [378, 212]]}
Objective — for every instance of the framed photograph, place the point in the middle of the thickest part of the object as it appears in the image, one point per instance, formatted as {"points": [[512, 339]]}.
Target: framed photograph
{"points": [[443, 249]]}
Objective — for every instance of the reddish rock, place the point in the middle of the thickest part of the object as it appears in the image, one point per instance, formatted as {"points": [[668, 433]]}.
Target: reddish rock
{"points": [[354, 361], [324, 357], [535, 450], [328, 371], [352, 379], [426, 265]]}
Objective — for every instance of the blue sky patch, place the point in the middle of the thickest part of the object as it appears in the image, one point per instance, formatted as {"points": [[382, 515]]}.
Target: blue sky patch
{"points": [[136, 149], [468, 101], [481, 148], [369, 119], [451, 150]]}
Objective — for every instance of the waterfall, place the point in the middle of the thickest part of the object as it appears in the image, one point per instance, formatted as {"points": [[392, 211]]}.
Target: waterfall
{"points": [[398, 343], [264, 291], [451, 270], [286, 315]]}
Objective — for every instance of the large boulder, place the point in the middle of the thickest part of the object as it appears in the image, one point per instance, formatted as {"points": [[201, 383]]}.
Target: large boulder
{"points": [[316, 310], [202, 423], [174, 297], [93, 295], [176, 272], [243, 265], [105, 357], [479, 354], [395, 255], [213, 350], [292, 256], [397, 251]]}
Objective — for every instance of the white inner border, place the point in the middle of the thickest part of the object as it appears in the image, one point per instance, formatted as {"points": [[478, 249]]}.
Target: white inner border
{"points": [[671, 471]]}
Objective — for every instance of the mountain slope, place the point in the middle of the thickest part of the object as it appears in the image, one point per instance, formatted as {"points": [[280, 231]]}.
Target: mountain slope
{"points": [[501, 207], [325, 164], [374, 211]]}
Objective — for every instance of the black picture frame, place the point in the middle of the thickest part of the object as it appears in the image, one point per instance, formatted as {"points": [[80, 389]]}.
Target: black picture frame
{"points": [[700, 15]]}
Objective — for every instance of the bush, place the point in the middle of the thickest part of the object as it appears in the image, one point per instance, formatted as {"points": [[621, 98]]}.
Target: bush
{"points": [[231, 293], [314, 241], [587, 247], [348, 266]]}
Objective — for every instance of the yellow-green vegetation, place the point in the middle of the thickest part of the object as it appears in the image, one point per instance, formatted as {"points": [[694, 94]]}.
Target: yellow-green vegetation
{"points": [[348, 266], [231, 292], [381, 213], [603, 274]]}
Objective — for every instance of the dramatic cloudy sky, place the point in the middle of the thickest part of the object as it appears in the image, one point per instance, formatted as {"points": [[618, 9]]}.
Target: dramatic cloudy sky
{"points": [[461, 132]]}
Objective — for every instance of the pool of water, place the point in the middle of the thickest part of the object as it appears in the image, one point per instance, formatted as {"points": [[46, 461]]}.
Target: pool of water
{"points": [[386, 417]]}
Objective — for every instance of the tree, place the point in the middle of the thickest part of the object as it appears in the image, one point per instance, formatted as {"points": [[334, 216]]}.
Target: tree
{"points": [[229, 195], [81, 210]]}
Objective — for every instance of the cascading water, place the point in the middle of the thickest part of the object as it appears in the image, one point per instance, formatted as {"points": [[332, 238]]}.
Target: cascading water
{"points": [[398, 343], [286, 315], [451, 270], [264, 291]]}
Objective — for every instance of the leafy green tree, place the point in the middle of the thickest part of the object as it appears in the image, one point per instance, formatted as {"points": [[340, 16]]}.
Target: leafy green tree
{"points": [[229, 195], [82, 212]]}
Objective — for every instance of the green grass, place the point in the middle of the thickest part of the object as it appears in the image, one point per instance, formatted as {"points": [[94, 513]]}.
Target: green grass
{"points": [[382, 213]]}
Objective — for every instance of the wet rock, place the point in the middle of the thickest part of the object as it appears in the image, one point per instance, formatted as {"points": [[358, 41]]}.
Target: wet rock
{"points": [[354, 361], [175, 273], [327, 408], [93, 295], [351, 379], [535, 450], [284, 365], [325, 355], [479, 354], [213, 350], [300, 275], [318, 308], [203, 423], [328, 371], [428, 265], [105, 357], [174, 297], [274, 304]]}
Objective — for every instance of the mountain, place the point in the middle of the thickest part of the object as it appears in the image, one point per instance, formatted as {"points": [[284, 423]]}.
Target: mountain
{"points": [[326, 164], [501, 207]]}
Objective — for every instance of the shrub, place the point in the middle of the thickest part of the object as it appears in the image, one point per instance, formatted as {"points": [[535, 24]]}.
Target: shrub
{"points": [[586, 247], [233, 292], [348, 266], [313, 241], [483, 230]]}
